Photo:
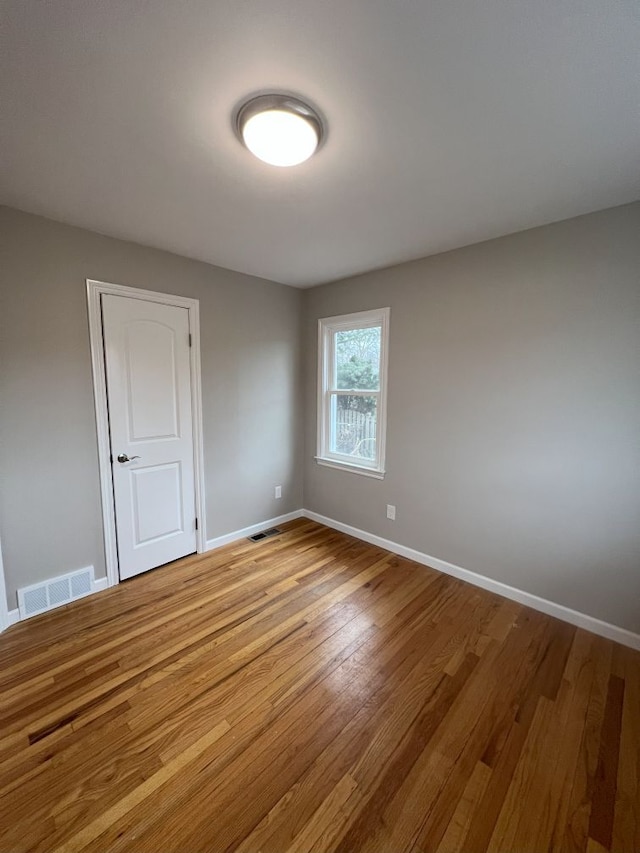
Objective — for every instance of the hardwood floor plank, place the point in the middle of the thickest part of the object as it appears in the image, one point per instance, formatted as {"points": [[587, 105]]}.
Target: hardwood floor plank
{"points": [[140, 746], [311, 692], [576, 834], [534, 799], [521, 795], [627, 809], [79, 841], [320, 831], [365, 832], [506, 740], [453, 841], [441, 773], [570, 721], [604, 794], [372, 734]]}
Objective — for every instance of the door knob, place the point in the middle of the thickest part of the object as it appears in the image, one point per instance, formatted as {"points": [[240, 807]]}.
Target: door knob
{"points": [[122, 457]]}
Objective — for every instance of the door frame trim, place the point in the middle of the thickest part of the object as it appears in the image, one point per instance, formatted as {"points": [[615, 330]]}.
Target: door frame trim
{"points": [[95, 289], [4, 604]]}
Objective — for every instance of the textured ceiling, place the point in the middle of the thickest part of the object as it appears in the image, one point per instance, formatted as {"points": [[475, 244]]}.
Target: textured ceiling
{"points": [[450, 122]]}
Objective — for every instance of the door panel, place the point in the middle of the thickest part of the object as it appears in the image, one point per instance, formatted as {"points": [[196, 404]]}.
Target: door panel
{"points": [[152, 381], [156, 502], [149, 398]]}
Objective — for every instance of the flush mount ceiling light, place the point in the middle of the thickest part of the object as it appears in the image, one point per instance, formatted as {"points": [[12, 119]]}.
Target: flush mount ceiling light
{"points": [[279, 129]]}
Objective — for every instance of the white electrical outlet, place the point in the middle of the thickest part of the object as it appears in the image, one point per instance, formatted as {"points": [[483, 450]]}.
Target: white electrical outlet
{"points": [[391, 512], [278, 492]]}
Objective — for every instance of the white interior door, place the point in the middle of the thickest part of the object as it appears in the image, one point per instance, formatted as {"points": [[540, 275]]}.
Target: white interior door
{"points": [[149, 398]]}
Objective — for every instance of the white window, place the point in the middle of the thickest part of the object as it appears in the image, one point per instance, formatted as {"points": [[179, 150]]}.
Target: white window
{"points": [[352, 391]]}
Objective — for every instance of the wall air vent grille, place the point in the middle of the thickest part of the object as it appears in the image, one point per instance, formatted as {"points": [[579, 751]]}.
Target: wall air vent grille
{"points": [[272, 531], [81, 584], [59, 591], [34, 600], [44, 596]]}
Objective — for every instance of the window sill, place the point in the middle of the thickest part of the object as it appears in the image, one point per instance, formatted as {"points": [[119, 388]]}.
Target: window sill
{"points": [[354, 469]]}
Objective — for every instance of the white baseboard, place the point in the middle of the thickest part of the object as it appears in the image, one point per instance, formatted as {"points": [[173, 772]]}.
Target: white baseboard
{"points": [[219, 541], [574, 617], [559, 611]]}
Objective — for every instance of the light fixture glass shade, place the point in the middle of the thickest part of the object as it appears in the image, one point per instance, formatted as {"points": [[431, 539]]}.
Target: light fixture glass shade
{"points": [[279, 130]]}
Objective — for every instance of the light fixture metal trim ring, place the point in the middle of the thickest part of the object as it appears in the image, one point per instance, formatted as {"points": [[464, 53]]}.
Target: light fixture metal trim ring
{"points": [[286, 103]]}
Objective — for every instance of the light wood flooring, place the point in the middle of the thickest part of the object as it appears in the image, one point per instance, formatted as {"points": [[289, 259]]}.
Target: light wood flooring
{"points": [[314, 693]]}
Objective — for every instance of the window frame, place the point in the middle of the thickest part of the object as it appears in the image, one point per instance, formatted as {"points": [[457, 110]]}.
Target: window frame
{"points": [[327, 329]]}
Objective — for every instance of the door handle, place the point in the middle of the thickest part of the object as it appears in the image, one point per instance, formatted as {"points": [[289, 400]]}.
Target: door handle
{"points": [[122, 457]]}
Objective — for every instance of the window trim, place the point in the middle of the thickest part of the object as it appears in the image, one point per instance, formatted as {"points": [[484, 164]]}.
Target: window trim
{"points": [[327, 328]]}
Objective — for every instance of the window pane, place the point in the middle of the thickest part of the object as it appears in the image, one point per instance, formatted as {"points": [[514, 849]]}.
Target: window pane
{"points": [[358, 359], [353, 426]]}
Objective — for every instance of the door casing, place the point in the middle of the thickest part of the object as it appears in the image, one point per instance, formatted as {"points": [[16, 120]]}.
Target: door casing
{"points": [[4, 606], [94, 291]]}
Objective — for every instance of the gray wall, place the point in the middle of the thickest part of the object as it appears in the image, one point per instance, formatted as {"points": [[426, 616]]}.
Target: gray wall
{"points": [[514, 411], [50, 520]]}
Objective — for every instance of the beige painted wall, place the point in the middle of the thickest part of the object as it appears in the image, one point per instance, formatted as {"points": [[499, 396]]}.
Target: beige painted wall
{"points": [[514, 411], [50, 520]]}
